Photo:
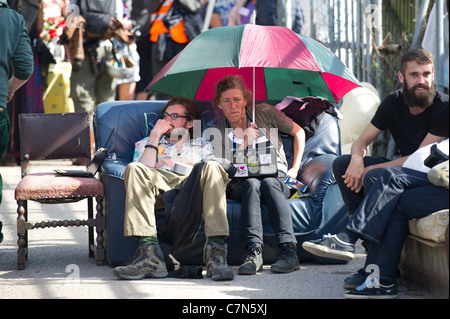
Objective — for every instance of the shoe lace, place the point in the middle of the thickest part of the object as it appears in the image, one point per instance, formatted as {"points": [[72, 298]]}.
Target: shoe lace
{"points": [[328, 236], [253, 251]]}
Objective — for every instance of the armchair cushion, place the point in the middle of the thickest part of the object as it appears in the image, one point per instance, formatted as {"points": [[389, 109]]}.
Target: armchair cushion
{"points": [[40, 186]]}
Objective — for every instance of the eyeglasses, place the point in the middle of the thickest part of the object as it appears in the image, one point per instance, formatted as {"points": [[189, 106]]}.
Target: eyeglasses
{"points": [[173, 116]]}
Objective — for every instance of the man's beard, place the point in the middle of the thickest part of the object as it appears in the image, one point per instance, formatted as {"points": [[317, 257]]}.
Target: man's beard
{"points": [[420, 99]]}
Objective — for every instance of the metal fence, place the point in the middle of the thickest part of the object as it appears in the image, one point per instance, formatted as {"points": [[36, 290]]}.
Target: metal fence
{"points": [[370, 36]]}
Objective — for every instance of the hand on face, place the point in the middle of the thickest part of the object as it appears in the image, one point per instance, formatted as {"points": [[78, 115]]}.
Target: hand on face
{"points": [[163, 127], [167, 126]]}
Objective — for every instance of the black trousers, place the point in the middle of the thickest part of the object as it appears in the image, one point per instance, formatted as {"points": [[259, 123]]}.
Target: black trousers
{"points": [[271, 191]]}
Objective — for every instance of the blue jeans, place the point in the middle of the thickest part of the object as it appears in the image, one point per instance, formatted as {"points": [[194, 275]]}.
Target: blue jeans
{"points": [[273, 193], [398, 195]]}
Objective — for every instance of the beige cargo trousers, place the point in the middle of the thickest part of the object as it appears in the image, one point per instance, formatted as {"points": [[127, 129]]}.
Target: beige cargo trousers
{"points": [[145, 186]]}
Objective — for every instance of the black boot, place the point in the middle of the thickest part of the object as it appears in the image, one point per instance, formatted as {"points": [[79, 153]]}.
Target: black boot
{"points": [[253, 262], [287, 259]]}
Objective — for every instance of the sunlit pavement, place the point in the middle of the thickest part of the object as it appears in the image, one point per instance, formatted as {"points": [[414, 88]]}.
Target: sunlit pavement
{"points": [[58, 266]]}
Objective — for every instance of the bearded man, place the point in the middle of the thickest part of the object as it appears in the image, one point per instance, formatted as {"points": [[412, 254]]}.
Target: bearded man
{"points": [[416, 116], [382, 195]]}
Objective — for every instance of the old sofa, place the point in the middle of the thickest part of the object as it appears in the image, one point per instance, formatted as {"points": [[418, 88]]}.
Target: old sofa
{"points": [[323, 211]]}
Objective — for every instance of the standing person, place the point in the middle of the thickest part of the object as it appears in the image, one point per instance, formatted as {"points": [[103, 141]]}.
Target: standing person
{"points": [[147, 180], [15, 50], [267, 14], [416, 116], [28, 98], [221, 12], [242, 12], [140, 15], [235, 102], [171, 30], [90, 84], [126, 88]]}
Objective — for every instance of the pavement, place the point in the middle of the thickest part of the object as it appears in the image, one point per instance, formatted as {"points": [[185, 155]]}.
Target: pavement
{"points": [[59, 267]]}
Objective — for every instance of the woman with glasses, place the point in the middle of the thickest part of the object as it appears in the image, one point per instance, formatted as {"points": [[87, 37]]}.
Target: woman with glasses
{"points": [[146, 181], [235, 102]]}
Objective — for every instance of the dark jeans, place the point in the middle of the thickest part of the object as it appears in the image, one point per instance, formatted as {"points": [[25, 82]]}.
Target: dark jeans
{"points": [[352, 199], [251, 192], [398, 195]]}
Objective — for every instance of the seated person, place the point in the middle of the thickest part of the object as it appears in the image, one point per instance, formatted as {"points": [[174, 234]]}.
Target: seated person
{"points": [[398, 195], [416, 116], [146, 181], [233, 99]]}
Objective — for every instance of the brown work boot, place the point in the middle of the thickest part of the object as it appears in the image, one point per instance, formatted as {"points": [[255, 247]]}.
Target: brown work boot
{"points": [[216, 262], [148, 263]]}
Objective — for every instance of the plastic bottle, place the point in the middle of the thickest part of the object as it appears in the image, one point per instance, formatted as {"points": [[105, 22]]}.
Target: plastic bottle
{"points": [[296, 184]]}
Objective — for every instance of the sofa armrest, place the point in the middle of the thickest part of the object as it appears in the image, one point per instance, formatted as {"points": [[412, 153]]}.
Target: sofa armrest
{"points": [[113, 168]]}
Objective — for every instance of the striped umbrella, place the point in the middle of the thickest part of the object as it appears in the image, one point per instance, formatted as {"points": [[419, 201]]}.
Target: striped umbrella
{"points": [[274, 61]]}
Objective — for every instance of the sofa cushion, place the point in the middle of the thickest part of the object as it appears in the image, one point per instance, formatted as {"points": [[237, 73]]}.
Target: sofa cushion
{"points": [[432, 227]]}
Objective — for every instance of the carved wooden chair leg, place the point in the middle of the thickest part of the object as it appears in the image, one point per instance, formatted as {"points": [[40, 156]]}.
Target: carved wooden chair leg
{"points": [[22, 234], [91, 228], [100, 227]]}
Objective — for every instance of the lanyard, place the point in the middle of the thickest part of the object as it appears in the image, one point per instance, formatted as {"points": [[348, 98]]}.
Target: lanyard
{"points": [[233, 139]]}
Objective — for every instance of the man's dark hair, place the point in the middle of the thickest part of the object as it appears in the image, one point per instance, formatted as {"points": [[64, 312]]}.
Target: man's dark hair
{"points": [[419, 56]]}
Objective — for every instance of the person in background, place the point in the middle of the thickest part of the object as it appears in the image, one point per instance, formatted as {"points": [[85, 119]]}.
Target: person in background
{"points": [[15, 50], [126, 88], [172, 28], [221, 12], [242, 12], [90, 84], [267, 14], [29, 97], [140, 16]]}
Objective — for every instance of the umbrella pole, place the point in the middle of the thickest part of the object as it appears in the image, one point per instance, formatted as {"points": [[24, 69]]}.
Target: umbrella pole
{"points": [[253, 95], [253, 102]]}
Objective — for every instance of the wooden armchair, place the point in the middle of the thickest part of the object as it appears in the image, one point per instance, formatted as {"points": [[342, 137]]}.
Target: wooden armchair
{"points": [[56, 136]]}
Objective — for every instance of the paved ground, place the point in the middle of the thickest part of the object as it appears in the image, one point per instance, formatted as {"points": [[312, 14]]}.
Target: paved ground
{"points": [[59, 267]]}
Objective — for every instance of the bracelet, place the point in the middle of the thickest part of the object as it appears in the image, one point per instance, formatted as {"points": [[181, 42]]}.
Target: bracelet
{"points": [[152, 146]]}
